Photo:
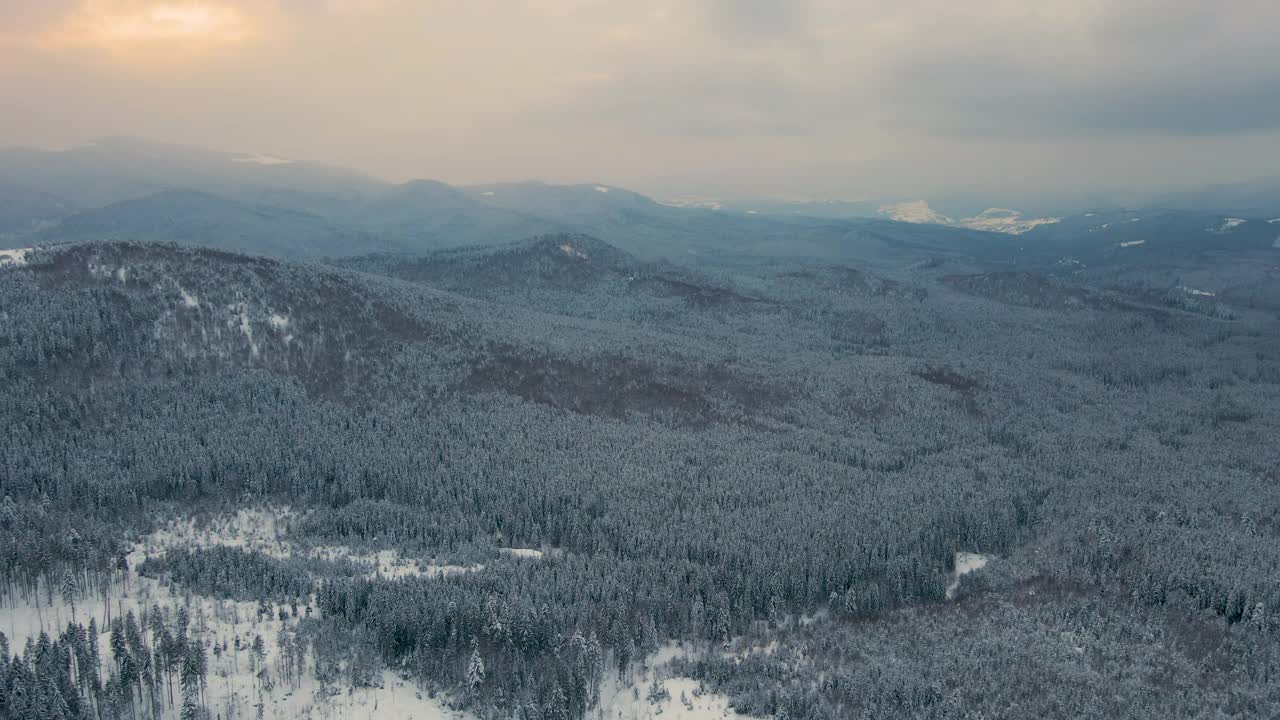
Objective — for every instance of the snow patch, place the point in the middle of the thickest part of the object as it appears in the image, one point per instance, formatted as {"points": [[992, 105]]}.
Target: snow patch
{"points": [[261, 160], [1133, 243], [916, 211], [189, 300], [1193, 291], [602, 189], [628, 699], [279, 322], [965, 563], [1228, 224], [488, 193], [526, 553], [262, 530], [698, 203], [240, 319], [572, 251], [1274, 222], [107, 272], [14, 258], [1004, 220], [233, 688], [1001, 220]]}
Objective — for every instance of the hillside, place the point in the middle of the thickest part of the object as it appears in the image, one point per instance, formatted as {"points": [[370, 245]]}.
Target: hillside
{"points": [[564, 493], [24, 210], [112, 170], [197, 218]]}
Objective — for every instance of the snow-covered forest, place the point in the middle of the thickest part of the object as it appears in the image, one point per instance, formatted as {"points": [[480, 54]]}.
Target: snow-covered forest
{"points": [[546, 483]]}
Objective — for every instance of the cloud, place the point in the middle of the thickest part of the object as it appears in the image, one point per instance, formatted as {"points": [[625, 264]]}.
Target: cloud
{"points": [[1180, 67], [755, 19], [827, 94], [133, 26]]}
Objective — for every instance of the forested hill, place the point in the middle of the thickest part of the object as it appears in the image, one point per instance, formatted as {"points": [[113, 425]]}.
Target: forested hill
{"points": [[703, 465], [203, 219]]}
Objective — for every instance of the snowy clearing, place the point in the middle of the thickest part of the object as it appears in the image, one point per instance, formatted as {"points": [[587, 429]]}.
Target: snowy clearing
{"points": [[965, 564], [263, 530], [917, 211], [686, 701], [1001, 220], [1193, 291], [1004, 220], [1133, 243], [14, 258], [234, 689], [526, 553], [572, 251], [1228, 224]]}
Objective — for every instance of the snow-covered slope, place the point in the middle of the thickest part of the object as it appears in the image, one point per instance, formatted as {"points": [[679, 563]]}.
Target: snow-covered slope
{"points": [[1001, 220], [274, 688], [916, 211]]}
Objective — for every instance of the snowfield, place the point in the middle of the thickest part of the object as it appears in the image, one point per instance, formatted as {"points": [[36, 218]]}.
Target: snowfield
{"points": [[572, 251], [1193, 291], [917, 211], [263, 530], [1001, 220], [236, 691], [628, 701], [14, 258], [1228, 224]]}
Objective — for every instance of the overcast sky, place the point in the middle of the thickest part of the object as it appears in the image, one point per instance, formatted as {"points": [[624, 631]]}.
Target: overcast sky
{"points": [[783, 98]]}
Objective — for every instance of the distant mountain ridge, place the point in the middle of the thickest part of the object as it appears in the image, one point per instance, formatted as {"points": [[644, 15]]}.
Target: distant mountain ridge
{"points": [[193, 217], [1257, 199], [271, 205]]}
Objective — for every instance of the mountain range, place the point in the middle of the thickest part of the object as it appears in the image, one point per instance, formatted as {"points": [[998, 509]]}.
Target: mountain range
{"points": [[131, 190]]}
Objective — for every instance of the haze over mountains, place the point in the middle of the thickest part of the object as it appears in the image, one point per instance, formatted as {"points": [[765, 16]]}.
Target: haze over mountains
{"points": [[128, 189]]}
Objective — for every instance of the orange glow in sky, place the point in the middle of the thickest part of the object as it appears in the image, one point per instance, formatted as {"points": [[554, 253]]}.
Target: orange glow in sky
{"points": [[129, 27]]}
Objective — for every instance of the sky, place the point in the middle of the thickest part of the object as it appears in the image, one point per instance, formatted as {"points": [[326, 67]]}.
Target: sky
{"points": [[794, 99]]}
